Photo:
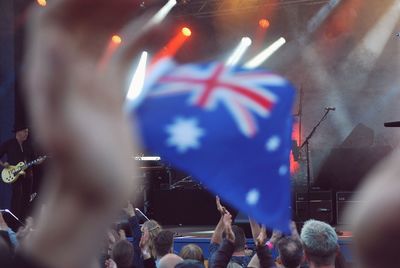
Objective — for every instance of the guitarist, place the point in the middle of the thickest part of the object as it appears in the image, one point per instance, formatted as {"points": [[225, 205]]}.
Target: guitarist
{"points": [[17, 150]]}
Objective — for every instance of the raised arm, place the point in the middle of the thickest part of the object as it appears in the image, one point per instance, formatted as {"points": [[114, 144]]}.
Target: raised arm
{"points": [[263, 251], [293, 231], [225, 251], [219, 229], [133, 224], [263, 258], [255, 229], [136, 234]]}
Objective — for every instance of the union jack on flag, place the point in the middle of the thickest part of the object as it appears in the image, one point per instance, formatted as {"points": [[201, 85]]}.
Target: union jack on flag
{"points": [[229, 127]]}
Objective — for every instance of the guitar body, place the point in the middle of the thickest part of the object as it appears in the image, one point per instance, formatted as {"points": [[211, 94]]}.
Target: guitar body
{"points": [[11, 173]]}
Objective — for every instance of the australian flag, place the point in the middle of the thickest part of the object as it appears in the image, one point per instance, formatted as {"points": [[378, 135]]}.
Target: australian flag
{"points": [[229, 127]]}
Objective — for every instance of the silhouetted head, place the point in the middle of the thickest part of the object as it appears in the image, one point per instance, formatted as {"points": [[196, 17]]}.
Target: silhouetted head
{"points": [[320, 242], [291, 252]]}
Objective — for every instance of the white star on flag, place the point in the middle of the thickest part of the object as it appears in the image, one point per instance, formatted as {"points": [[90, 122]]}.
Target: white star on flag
{"points": [[273, 143], [283, 170], [184, 134], [252, 197]]}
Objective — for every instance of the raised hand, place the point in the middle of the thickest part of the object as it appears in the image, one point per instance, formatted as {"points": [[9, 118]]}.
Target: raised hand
{"points": [[76, 104], [262, 237], [293, 231], [110, 264], [25, 232], [220, 208], [227, 220], [129, 210], [77, 108], [122, 234]]}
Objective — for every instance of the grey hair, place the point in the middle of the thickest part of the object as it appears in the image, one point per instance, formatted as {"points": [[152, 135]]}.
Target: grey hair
{"points": [[320, 241]]}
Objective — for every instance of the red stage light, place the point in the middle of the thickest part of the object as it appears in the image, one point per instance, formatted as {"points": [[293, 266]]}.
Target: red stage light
{"points": [[42, 3], [186, 31], [116, 39], [263, 23]]}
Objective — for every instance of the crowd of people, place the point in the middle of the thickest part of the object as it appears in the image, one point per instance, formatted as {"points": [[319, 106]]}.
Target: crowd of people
{"points": [[75, 103], [149, 245]]}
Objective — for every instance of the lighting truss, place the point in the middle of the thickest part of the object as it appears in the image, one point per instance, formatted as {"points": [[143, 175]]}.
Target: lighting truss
{"points": [[213, 8]]}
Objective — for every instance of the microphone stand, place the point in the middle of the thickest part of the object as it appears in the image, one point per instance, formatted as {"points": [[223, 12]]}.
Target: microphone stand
{"points": [[306, 144]]}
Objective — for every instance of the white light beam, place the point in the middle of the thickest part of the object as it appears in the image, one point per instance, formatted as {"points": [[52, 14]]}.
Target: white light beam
{"points": [[162, 13], [137, 82], [238, 52], [265, 54]]}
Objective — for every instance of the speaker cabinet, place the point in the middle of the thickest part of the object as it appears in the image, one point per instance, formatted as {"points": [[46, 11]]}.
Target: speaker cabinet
{"points": [[345, 200], [317, 206]]}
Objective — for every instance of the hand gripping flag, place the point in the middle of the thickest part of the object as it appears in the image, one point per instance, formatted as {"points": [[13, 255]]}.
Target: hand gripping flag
{"points": [[228, 127]]}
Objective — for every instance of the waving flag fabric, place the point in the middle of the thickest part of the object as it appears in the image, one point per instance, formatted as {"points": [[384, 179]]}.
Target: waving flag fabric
{"points": [[228, 127]]}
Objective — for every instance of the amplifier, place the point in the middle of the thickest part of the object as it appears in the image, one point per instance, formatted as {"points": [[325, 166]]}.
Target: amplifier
{"points": [[319, 205], [343, 201], [314, 195]]}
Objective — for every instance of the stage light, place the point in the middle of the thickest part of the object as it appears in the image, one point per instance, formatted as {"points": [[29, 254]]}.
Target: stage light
{"points": [[113, 43], [116, 39], [147, 158], [172, 47], [263, 23], [265, 54], [186, 31], [137, 82], [42, 3], [239, 51], [246, 41], [163, 12]]}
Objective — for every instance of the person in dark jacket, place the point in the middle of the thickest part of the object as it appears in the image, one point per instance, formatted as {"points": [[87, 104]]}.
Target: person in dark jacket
{"points": [[16, 150]]}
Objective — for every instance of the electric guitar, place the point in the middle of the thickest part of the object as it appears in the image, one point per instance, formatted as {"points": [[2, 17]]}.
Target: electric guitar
{"points": [[11, 173]]}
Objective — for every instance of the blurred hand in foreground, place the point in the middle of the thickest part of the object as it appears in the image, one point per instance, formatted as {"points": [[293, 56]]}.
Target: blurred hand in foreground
{"points": [[75, 82]]}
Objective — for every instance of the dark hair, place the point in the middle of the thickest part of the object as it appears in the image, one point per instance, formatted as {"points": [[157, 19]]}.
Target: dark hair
{"points": [[122, 254], [163, 242], [190, 264], [192, 252], [240, 238], [290, 252]]}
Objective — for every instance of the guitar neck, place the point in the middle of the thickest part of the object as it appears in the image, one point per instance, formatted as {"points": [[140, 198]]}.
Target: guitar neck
{"points": [[29, 164]]}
